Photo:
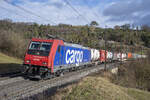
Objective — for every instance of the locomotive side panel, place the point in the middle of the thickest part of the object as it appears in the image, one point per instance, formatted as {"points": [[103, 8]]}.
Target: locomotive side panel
{"points": [[67, 57]]}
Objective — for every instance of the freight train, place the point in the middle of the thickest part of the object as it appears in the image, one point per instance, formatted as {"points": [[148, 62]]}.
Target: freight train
{"points": [[46, 58]]}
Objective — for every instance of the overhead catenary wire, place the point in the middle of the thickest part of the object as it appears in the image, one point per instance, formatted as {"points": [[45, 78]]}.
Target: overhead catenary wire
{"points": [[27, 11], [96, 15], [76, 11], [8, 10], [94, 12], [32, 13]]}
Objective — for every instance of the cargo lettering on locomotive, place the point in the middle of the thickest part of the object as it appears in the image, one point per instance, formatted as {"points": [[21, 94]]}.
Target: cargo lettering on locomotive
{"points": [[74, 56]]}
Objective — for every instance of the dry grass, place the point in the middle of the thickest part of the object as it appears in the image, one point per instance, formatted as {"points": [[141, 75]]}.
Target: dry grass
{"points": [[9, 64], [134, 74], [7, 59], [97, 88]]}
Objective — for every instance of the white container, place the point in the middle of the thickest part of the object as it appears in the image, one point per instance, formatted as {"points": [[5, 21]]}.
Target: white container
{"points": [[92, 54], [109, 55], [124, 56], [119, 56], [95, 54]]}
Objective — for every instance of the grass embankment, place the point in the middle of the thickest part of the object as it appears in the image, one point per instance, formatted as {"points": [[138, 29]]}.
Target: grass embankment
{"points": [[135, 74], [7, 59], [98, 88], [9, 64]]}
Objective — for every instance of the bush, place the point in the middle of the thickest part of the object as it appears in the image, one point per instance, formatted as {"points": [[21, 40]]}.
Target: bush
{"points": [[134, 74], [12, 43]]}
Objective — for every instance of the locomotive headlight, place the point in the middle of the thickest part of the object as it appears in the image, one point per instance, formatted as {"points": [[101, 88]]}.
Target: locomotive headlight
{"points": [[27, 61], [44, 63]]}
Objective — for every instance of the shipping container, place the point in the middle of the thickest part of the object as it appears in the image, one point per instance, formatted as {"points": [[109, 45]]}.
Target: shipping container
{"points": [[102, 56], [119, 56], [135, 56], [109, 56], [95, 55], [124, 56], [115, 56], [129, 55]]}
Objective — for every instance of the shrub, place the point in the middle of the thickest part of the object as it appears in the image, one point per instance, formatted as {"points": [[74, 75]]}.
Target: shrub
{"points": [[134, 74], [12, 43]]}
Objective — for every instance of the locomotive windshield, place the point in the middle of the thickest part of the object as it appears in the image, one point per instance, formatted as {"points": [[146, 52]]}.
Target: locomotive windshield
{"points": [[39, 48]]}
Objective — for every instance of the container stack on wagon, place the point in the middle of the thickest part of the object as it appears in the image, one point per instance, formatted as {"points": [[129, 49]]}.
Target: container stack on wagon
{"points": [[102, 56], [109, 56], [129, 55], [115, 56], [95, 54]]}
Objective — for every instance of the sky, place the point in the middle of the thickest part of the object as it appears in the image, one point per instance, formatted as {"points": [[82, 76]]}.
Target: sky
{"points": [[77, 12]]}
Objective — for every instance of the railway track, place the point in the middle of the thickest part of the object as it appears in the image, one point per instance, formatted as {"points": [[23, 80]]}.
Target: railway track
{"points": [[18, 88], [10, 78], [9, 75]]}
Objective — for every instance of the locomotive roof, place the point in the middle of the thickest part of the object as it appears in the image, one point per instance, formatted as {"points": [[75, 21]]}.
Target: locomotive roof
{"points": [[42, 40], [75, 45], [65, 43]]}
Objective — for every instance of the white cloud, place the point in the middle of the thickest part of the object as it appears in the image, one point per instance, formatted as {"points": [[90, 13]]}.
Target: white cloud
{"points": [[53, 10], [131, 11]]}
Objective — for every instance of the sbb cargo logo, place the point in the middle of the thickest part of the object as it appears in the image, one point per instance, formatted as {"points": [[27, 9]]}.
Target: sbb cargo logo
{"points": [[74, 56]]}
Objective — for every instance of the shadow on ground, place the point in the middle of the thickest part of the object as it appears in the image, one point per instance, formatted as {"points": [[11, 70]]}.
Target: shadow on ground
{"points": [[8, 69]]}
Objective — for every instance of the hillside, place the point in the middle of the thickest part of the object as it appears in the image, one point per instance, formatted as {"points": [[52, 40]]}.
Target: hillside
{"points": [[97, 88], [9, 64], [14, 37]]}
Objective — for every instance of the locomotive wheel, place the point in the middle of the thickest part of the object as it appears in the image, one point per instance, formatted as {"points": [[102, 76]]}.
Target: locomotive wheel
{"points": [[25, 69], [46, 75], [62, 74]]}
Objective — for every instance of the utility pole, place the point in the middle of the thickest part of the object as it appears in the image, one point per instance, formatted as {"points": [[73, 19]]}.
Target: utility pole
{"points": [[141, 51], [132, 38], [105, 48], [121, 47]]}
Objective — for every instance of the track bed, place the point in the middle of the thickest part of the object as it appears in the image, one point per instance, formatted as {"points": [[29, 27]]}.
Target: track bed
{"points": [[17, 88]]}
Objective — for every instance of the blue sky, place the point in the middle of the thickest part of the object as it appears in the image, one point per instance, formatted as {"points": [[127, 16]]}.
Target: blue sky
{"points": [[105, 12]]}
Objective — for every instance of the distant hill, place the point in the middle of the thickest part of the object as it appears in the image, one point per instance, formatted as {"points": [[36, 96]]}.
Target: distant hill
{"points": [[14, 37]]}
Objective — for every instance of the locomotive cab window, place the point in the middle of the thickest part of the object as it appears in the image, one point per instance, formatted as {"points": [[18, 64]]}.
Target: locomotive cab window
{"points": [[34, 45], [39, 48], [45, 46]]}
